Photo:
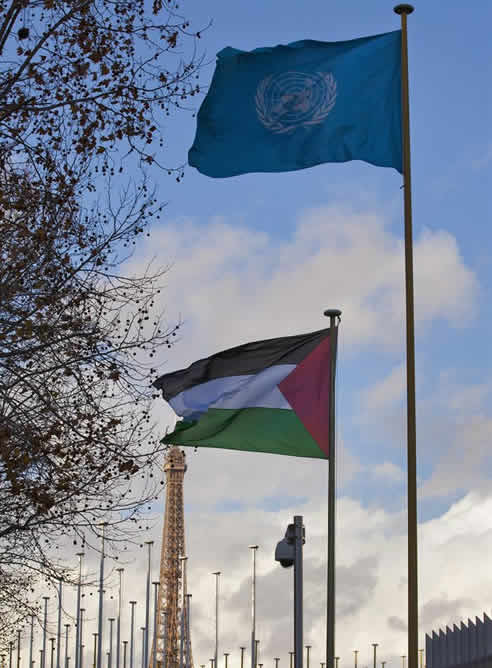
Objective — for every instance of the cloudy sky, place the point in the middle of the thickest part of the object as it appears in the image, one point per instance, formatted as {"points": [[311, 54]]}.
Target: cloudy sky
{"points": [[262, 256]]}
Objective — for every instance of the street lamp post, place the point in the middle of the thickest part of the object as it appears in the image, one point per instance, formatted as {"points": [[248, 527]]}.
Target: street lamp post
{"points": [[18, 648], [226, 656], [291, 654], [125, 643], [77, 613], [143, 629], [276, 659], [67, 626], [217, 574], [188, 626], [182, 633], [242, 656], [374, 644], [356, 651], [132, 632], [100, 610], [308, 649], [154, 635], [289, 553], [147, 606], [45, 624], [111, 622], [164, 642], [254, 659], [58, 630], [118, 622], [31, 642], [81, 658]]}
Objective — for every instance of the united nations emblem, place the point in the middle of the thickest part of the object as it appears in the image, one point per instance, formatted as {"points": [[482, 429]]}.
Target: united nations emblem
{"points": [[291, 100]]}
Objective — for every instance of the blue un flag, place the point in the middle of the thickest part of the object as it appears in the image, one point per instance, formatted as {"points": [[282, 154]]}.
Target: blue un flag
{"points": [[290, 107]]}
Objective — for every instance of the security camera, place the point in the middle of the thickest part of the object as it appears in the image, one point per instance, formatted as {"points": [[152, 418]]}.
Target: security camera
{"points": [[284, 553]]}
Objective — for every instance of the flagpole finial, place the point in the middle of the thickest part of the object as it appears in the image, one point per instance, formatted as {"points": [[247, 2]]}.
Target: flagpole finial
{"points": [[332, 313], [403, 9]]}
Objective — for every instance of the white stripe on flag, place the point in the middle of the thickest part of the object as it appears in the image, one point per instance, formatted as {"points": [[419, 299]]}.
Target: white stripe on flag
{"points": [[253, 391]]}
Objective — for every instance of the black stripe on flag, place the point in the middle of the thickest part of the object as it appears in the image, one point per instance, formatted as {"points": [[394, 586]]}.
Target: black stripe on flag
{"points": [[248, 359]]}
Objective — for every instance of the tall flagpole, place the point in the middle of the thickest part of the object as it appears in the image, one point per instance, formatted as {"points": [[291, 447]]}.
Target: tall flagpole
{"points": [[334, 315], [413, 613]]}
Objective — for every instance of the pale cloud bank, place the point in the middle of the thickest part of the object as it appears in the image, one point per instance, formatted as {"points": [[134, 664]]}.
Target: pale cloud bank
{"points": [[231, 284], [454, 578]]}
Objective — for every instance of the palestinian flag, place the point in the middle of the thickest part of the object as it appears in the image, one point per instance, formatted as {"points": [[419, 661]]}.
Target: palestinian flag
{"points": [[267, 396]]}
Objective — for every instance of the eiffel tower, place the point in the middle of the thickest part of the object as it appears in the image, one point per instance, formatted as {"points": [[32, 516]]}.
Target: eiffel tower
{"points": [[172, 634]]}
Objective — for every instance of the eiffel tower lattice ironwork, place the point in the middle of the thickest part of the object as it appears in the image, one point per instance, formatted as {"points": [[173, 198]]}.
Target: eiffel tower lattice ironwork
{"points": [[172, 640]]}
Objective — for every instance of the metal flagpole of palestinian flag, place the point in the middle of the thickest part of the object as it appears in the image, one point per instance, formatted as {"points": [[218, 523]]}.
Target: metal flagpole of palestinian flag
{"points": [[265, 396], [275, 396], [293, 106]]}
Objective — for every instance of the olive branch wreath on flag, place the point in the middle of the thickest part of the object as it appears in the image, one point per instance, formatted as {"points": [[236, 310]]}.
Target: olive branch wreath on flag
{"points": [[270, 122]]}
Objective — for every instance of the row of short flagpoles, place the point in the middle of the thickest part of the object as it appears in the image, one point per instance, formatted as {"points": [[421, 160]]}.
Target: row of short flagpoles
{"points": [[79, 625], [127, 660], [17, 663], [308, 648]]}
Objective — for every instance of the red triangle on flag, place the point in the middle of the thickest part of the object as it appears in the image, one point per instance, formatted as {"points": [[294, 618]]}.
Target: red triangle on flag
{"points": [[307, 389]]}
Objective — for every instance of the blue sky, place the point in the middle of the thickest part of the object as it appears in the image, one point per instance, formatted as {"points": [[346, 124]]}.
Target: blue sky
{"points": [[262, 255], [451, 163]]}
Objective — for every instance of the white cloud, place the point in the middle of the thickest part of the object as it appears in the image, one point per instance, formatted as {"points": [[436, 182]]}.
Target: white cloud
{"points": [[389, 472], [233, 284], [454, 581], [385, 393], [464, 461], [454, 428]]}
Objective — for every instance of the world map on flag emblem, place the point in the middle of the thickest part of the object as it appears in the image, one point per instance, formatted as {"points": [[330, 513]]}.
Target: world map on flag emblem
{"points": [[291, 100]]}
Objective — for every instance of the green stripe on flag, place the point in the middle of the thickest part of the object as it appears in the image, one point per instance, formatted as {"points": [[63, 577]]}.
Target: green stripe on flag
{"points": [[273, 430]]}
